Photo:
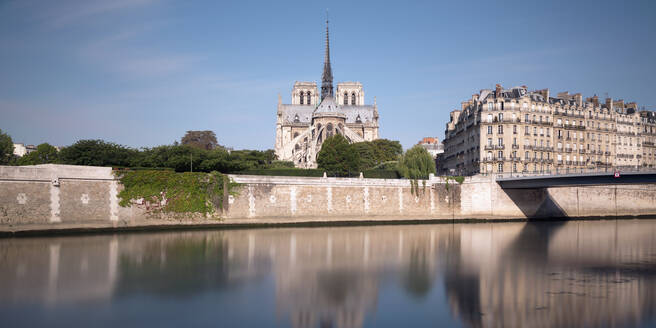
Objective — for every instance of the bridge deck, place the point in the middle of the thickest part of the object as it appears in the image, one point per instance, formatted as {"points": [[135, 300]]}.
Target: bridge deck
{"points": [[581, 179]]}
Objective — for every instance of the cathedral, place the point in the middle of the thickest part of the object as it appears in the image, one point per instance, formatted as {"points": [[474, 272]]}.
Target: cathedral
{"points": [[303, 125]]}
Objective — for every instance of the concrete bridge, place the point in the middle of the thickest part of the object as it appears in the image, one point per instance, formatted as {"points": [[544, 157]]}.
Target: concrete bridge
{"points": [[576, 179]]}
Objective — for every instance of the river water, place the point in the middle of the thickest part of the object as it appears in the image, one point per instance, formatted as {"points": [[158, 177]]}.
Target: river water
{"points": [[550, 274]]}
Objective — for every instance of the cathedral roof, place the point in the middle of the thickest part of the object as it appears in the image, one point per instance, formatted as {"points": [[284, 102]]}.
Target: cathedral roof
{"points": [[328, 107]]}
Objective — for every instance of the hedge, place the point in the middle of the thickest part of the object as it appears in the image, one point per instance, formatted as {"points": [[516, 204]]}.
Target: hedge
{"points": [[382, 174], [284, 172], [372, 174]]}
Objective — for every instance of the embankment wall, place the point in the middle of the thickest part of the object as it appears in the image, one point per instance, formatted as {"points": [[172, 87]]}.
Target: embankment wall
{"points": [[62, 195]]}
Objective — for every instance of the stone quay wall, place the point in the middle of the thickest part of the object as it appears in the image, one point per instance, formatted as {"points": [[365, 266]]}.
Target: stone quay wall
{"points": [[65, 196], [51, 194], [478, 197]]}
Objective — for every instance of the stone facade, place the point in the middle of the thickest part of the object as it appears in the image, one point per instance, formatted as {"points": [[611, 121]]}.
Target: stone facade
{"points": [[303, 125], [514, 130]]}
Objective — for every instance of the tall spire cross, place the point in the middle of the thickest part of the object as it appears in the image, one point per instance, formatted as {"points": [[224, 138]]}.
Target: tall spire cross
{"points": [[327, 76]]}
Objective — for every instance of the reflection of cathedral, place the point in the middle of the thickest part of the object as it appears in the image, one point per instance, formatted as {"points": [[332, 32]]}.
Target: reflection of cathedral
{"points": [[304, 124]]}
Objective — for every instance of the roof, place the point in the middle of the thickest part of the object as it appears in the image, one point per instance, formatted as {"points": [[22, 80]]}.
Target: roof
{"points": [[304, 113]]}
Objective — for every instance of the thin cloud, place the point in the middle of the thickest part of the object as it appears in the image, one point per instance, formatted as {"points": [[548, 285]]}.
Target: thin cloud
{"points": [[67, 12]]}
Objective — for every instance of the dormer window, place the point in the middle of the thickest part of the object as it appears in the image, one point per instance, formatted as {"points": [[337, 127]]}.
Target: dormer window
{"points": [[296, 120], [358, 119]]}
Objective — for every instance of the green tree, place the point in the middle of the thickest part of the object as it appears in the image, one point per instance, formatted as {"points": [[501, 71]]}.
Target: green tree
{"points": [[387, 150], [6, 148], [44, 154], [200, 139], [377, 152], [97, 153], [416, 163], [338, 157]]}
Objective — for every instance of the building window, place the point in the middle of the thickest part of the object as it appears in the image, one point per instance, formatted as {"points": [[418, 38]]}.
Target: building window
{"points": [[501, 116], [500, 141], [309, 98], [345, 98], [514, 129], [489, 129], [301, 97], [353, 98], [490, 106], [500, 167], [489, 141], [500, 155], [500, 129]]}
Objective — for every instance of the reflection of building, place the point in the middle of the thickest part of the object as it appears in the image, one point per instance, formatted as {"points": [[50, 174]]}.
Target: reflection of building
{"points": [[516, 130], [574, 274], [303, 125], [564, 274]]}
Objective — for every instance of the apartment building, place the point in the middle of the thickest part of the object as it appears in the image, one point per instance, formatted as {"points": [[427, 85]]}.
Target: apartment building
{"points": [[520, 131]]}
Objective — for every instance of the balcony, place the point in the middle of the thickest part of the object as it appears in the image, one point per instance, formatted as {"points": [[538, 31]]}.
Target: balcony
{"points": [[515, 146]]}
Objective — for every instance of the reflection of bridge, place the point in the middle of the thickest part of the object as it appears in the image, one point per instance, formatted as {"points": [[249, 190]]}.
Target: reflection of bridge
{"points": [[575, 179]]}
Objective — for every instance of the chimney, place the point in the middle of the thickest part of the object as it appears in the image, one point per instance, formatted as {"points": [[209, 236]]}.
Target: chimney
{"points": [[497, 91]]}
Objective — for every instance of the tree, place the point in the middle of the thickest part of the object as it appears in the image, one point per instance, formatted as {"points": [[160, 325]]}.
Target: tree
{"points": [[44, 154], [97, 153], [6, 148], [386, 150], [377, 152], [338, 157], [200, 139], [417, 163]]}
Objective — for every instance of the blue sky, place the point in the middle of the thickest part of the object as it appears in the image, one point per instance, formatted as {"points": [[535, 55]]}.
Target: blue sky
{"points": [[142, 72]]}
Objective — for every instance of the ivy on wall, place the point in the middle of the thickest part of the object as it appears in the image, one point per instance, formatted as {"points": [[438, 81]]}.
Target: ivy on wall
{"points": [[188, 192]]}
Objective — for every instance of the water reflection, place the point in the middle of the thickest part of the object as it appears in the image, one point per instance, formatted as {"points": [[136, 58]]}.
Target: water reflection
{"points": [[583, 273]]}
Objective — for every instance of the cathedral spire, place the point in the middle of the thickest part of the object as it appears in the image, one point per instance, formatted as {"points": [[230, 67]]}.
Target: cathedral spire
{"points": [[327, 76]]}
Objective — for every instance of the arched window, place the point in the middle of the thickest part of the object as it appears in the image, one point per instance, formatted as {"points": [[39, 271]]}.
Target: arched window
{"points": [[345, 98], [295, 135], [309, 98], [301, 97], [329, 130], [353, 98], [358, 119]]}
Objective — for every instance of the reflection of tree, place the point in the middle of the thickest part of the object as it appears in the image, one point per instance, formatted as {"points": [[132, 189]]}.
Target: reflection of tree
{"points": [[178, 267], [418, 279]]}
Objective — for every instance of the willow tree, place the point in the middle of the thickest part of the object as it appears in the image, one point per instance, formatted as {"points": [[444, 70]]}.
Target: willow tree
{"points": [[416, 164]]}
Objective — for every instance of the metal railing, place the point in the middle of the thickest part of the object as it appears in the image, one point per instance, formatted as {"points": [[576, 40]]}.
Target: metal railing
{"points": [[567, 171]]}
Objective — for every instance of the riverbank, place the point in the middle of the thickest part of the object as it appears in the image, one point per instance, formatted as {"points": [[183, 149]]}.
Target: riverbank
{"points": [[60, 199], [36, 230]]}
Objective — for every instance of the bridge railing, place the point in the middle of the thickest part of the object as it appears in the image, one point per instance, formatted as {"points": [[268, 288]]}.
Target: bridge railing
{"points": [[569, 171]]}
